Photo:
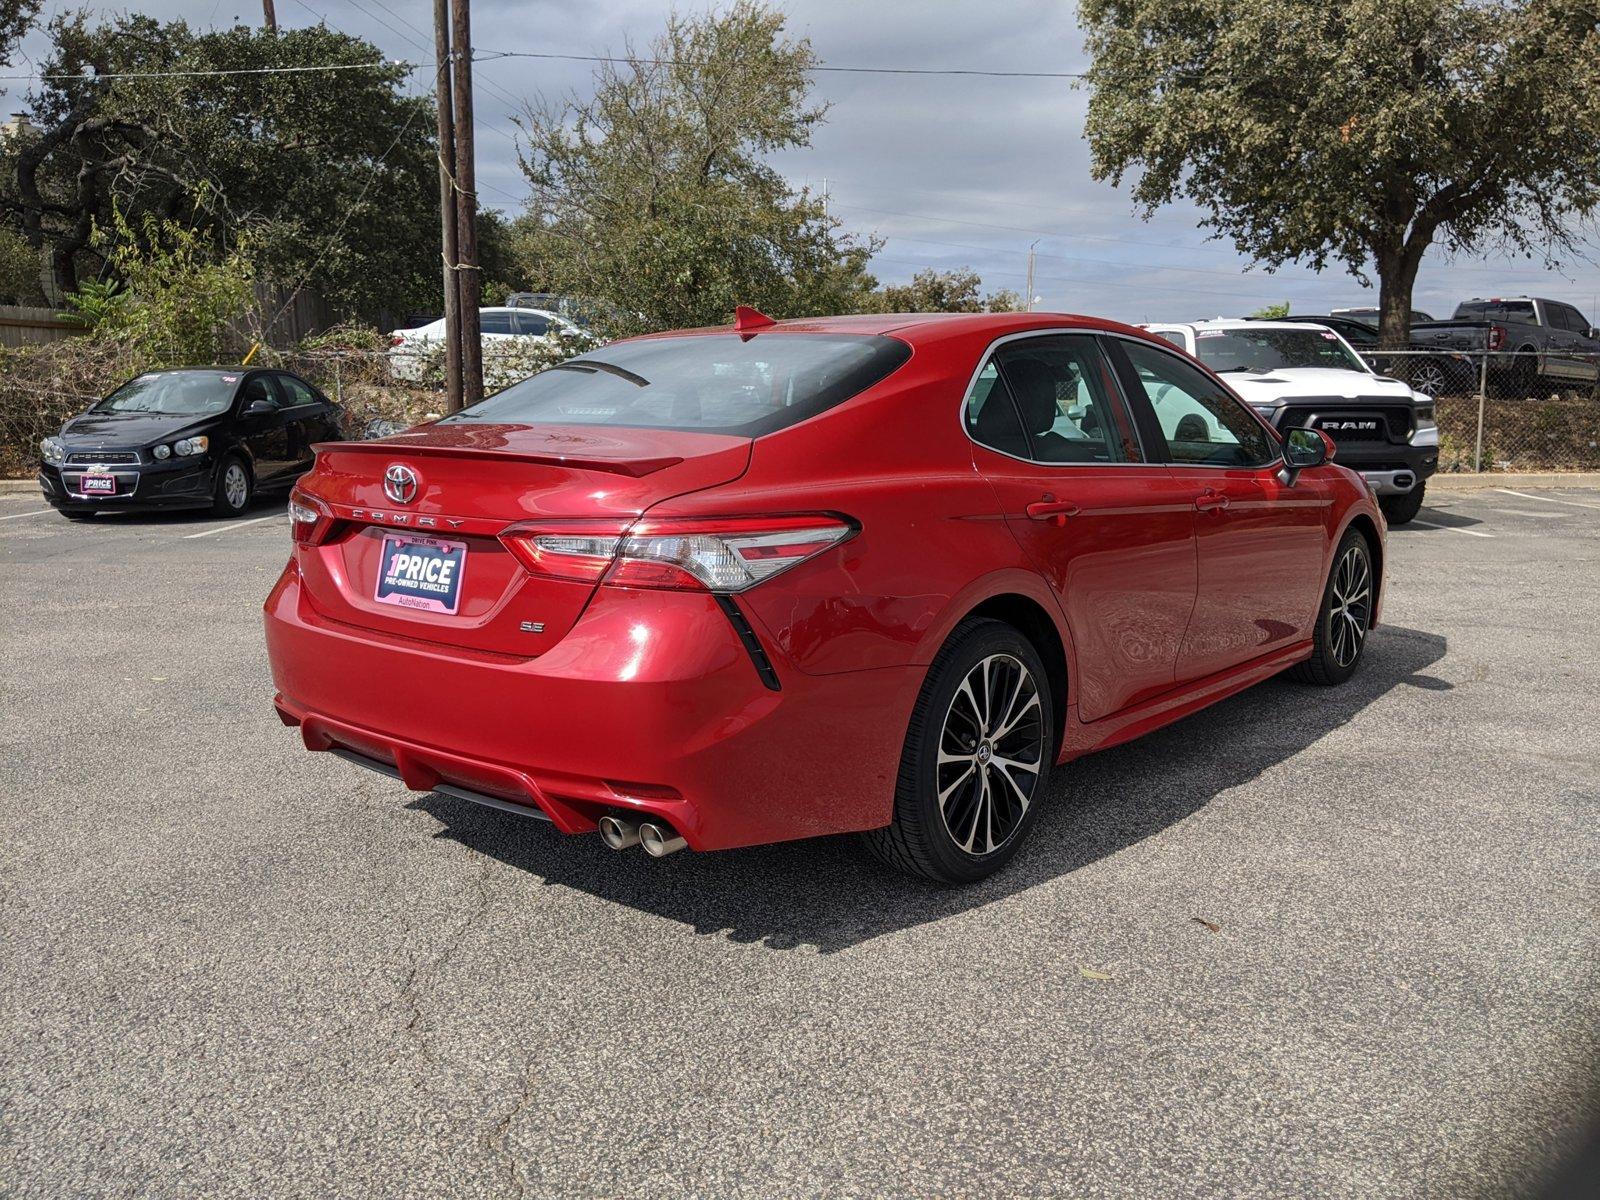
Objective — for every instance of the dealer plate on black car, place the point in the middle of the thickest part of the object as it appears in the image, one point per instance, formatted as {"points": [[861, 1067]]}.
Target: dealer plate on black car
{"points": [[98, 485], [422, 573]]}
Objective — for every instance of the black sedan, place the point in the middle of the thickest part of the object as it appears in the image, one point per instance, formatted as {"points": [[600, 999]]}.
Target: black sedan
{"points": [[196, 437]]}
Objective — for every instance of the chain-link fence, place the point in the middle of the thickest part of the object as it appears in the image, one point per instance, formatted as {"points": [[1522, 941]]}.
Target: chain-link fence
{"points": [[1502, 410], [378, 391]]}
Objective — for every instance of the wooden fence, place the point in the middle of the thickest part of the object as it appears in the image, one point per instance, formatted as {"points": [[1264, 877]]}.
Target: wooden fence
{"points": [[25, 326]]}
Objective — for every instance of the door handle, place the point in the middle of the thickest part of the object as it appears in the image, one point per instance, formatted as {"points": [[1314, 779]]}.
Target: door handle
{"points": [[1210, 500], [1052, 510]]}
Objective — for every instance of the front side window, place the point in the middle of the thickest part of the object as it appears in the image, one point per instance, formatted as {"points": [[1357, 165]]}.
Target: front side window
{"points": [[1201, 423], [711, 383], [532, 324], [1266, 350], [259, 388]]}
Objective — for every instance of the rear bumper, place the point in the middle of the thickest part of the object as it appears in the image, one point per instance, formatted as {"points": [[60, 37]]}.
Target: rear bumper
{"points": [[649, 704]]}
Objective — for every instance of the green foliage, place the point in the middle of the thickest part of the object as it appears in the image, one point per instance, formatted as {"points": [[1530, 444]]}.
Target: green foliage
{"points": [[180, 301], [654, 196], [1272, 312], [19, 270], [942, 291], [1356, 133], [329, 174]]}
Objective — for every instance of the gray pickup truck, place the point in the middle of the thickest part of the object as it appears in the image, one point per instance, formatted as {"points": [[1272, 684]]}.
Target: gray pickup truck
{"points": [[1553, 342]]}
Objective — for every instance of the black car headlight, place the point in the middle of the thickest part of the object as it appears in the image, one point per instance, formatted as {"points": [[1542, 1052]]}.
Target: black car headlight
{"points": [[51, 450]]}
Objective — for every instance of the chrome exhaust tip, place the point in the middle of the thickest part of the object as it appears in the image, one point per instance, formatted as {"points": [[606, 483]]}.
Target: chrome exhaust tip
{"points": [[659, 839], [619, 832]]}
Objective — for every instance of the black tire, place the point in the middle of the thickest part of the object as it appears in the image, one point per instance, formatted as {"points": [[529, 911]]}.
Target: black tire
{"points": [[920, 839], [1397, 510], [227, 500], [1344, 615]]}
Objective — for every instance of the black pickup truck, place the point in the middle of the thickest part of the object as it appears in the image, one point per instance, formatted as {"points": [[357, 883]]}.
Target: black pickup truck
{"points": [[1551, 342]]}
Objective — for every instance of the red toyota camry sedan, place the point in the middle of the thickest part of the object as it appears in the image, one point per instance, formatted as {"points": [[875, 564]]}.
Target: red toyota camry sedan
{"points": [[878, 574]]}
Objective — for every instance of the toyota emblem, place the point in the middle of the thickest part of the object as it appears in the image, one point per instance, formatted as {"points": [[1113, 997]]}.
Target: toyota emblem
{"points": [[400, 483]]}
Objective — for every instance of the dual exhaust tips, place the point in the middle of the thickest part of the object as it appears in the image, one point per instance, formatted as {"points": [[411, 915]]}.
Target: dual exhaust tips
{"points": [[657, 837]]}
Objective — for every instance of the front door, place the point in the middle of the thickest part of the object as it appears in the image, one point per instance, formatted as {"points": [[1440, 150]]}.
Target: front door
{"points": [[1261, 541], [267, 433], [1112, 533]]}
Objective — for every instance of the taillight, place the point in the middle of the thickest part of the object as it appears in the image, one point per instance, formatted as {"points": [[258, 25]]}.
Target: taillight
{"points": [[721, 554], [396, 339], [1497, 336], [309, 518]]}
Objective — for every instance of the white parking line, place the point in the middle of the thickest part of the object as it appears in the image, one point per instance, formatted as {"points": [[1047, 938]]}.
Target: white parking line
{"points": [[35, 513], [1450, 528], [1548, 499], [232, 525]]}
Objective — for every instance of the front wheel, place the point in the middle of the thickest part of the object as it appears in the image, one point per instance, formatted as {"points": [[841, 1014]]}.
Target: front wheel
{"points": [[1397, 510], [1344, 617], [976, 761], [232, 494]]}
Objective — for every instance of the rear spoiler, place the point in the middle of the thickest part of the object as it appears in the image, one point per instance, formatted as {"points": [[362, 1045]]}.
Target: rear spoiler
{"points": [[632, 467]]}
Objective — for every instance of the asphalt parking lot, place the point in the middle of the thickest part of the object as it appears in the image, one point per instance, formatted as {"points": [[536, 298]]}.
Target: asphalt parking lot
{"points": [[1337, 943]]}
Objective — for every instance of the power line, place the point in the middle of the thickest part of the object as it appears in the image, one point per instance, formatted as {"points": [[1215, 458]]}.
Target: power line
{"points": [[383, 65], [676, 62]]}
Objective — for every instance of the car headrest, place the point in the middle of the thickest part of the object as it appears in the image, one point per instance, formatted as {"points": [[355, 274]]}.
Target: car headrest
{"points": [[1034, 386]]}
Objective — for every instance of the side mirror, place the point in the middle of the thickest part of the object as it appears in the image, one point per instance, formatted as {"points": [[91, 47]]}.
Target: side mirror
{"points": [[259, 408], [1304, 448]]}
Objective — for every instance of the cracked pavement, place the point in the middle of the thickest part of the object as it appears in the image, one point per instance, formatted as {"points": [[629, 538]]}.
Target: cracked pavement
{"points": [[229, 967]]}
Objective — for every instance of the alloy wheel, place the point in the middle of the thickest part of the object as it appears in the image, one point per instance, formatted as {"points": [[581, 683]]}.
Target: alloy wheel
{"points": [[235, 486], [1428, 378], [1349, 606], [990, 753]]}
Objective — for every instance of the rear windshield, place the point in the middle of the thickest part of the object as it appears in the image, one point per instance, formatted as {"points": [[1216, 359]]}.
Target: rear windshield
{"points": [[712, 383], [1273, 350], [1504, 310], [179, 394]]}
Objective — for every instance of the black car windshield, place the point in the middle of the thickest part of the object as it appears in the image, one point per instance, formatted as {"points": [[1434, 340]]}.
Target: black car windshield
{"points": [[173, 394], [1273, 350], [713, 383]]}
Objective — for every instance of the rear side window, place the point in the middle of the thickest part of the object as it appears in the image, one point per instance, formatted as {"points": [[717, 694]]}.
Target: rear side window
{"points": [[1065, 396], [297, 392], [990, 416], [713, 383], [499, 322]]}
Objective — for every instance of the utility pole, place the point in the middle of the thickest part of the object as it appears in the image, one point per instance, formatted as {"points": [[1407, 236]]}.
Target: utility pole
{"points": [[1029, 305], [269, 15], [469, 287], [447, 203]]}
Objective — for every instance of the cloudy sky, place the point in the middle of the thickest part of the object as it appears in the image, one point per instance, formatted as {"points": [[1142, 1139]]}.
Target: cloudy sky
{"points": [[964, 171]]}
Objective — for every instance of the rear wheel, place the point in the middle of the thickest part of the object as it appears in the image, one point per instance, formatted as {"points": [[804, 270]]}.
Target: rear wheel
{"points": [[232, 494], [1344, 617], [976, 759], [1397, 510]]}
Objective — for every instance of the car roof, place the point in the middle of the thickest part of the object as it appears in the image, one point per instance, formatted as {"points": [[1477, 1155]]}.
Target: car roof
{"points": [[922, 327], [1234, 323]]}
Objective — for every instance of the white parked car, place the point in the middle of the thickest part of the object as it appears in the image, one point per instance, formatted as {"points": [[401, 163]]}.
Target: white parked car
{"points": [[1302, 375], [412, 352]]}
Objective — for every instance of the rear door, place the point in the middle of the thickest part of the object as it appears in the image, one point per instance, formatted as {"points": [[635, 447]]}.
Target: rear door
{"points": [[1260, 542], [1112, 532], [311, 419]]}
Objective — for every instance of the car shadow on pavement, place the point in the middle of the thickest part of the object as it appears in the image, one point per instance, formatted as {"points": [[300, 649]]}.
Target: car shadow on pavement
{"points": [[830, 894]]}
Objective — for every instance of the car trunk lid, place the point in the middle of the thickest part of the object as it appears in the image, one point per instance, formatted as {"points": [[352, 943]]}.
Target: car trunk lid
{"points": [[424, 559]]}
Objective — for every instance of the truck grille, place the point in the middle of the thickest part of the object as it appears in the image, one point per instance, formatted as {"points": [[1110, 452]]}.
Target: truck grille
{"points": [[1372, 421]]}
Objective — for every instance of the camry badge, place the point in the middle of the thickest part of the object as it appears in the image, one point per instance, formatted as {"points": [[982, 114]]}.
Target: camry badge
{"points": [[400, 483]]}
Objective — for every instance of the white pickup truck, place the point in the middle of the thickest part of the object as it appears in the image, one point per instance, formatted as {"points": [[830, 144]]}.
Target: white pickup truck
{"points": [[1301, 375]]}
